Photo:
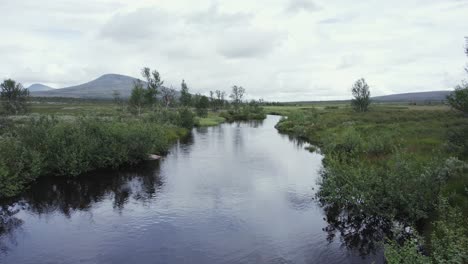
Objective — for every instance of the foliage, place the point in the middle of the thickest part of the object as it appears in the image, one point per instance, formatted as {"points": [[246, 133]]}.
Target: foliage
{"points": [[48, 146], [186, 118], [398, 189], [219, 102], [408, 253], [14, 97], [389, 166], [118, 101], [210, 120], [458, 99], [251, 111], [361, 94], [18, 166], [142, 96], [449, 239], [237, 95], [182, 117], [185, 96], [168, 96], [137, 98], [153, 85], [202, 106], [458, 140]]}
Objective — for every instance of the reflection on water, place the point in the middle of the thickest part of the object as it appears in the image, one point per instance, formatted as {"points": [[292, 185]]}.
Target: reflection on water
{"points": [[8, 223], [59, 194], [357, 231], [234, 193]]}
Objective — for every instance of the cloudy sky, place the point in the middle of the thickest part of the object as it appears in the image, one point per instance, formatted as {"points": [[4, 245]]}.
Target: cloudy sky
{"points": [[277, 49]]}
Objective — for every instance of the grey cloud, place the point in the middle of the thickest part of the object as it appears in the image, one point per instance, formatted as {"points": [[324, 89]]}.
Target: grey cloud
{"points": [[336, 20], [302, 5], [247, 44], [142, 24], [278, 50], [349, 61], [213, 17]]}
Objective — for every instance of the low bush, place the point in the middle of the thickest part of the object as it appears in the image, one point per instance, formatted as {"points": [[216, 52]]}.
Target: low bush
{"points": [[400, 188], [47, 146], [183, 117], [243, 115], [19, 165]]}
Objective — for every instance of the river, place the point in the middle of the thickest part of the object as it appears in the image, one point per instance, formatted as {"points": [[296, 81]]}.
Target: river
{"points": [[234, 193]]}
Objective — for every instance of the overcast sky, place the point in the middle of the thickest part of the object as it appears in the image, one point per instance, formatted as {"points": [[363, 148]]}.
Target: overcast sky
{"points": [[278, 50]]}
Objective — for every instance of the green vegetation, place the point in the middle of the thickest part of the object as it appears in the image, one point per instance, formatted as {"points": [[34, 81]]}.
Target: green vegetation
{"points": [[459, 98], [185, 97], [251, 111], [201, 106], [142, 96], [237, 96], [68, 137], [389, 166], [14, 98], [242, 111], [211, 119], [361, 96], [394, 174], [53, 146]]}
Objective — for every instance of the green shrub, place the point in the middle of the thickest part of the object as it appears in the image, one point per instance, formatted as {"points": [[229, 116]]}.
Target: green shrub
{"points": [[18, 166], [69, 148], [458, 140], [187, 118], [401, 188], [183, 117], [408, 253], [449, 238], [246, 112], [448, 241]]}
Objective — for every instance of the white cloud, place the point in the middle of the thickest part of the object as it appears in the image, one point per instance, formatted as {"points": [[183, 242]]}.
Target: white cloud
{"points": [[276, 49]]}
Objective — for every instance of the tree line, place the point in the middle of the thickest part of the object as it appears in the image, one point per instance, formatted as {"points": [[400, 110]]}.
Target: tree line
{"points": [[151, 94]]}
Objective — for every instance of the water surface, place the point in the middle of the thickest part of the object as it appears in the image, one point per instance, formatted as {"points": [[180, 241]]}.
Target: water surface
{"points": [[235, 193]]}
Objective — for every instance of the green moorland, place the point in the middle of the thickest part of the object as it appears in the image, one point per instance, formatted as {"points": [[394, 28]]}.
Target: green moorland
{"points": [[396, 173]]}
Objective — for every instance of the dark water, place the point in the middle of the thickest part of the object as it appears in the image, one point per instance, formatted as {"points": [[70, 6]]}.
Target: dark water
{"points": [[235, 193]]}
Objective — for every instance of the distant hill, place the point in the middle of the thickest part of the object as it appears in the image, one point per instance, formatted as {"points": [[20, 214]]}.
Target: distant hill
{"points": [[39, 87], [100, 88], [416, 97]]}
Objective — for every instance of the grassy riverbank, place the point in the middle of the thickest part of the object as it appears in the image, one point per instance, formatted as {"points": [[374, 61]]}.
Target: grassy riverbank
{"points": [[213, 119], [48, 145], [70, 137], [392, 167]]}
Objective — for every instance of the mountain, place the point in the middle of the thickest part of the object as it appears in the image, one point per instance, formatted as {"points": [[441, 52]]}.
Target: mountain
{"points": [[39, 87], [100, 88], [410, 97]]}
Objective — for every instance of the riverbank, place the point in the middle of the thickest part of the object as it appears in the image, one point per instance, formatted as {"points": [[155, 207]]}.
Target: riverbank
{"points": [[69, 147], [61, 138], [393, 166], [213, 119]]}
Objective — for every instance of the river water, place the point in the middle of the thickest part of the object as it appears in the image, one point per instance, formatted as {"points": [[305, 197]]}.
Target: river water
{"points": [[234, 193]]}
